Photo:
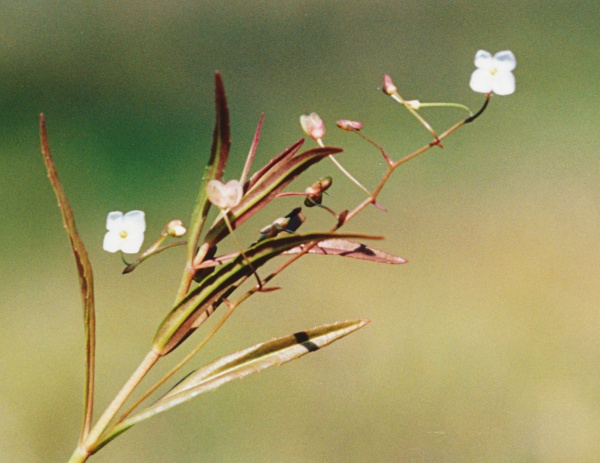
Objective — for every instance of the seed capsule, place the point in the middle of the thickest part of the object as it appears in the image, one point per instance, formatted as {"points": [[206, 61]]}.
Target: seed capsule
{"points": [[314, 193]]}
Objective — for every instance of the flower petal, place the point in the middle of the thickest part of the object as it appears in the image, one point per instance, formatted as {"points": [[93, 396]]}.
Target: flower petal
{"points": [[481, 81], [503, 83], [132, 243], [112, 241], [505, 60], [483, 59], [114, 220], [135, 221]]}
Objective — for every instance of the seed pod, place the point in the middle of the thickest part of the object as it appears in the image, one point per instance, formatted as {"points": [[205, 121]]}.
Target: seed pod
{"points": [[314, 193]]}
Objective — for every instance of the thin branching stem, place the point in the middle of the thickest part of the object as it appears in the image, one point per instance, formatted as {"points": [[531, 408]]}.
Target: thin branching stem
{"points": [[101, 432], [372, 199], [396, 96]]}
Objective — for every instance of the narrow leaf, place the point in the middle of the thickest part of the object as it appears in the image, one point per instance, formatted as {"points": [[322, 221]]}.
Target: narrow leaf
{"points": [[352, 249], [86, 278], [252, 152], [280, 158], [243, 363], [331, 247], [193, 309], [215, 168]]}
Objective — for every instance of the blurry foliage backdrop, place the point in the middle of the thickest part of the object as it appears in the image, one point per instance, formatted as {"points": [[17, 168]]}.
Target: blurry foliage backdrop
{"points": [[484, 348]]}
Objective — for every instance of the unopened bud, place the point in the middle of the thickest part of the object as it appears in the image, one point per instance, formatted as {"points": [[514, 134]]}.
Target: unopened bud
{"points": [[176, 229], [388, 85], [350, 126], [313, 125]]}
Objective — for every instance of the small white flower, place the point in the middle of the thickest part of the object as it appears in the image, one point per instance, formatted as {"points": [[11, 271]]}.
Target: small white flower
{"points": [[125, 232], [493, 73], [225, 196]]}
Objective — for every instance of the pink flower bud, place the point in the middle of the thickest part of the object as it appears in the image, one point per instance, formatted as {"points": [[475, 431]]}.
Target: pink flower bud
{"points": [[350, 126], [312, 125], [388, 85]]}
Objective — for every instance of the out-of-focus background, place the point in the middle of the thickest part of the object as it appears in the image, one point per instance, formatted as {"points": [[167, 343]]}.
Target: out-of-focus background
{"points": [[484, 348]]}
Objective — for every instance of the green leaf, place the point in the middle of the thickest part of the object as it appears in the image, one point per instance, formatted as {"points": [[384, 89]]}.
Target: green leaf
{"points": [[243, 363], [214, 169], [194, 309], [84, 269]]}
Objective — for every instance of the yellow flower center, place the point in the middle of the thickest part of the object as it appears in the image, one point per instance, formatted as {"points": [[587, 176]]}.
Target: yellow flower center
{"points": [[123, 234]]}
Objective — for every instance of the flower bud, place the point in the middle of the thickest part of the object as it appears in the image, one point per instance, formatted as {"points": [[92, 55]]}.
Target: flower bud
{"points": [[176, 229], [388, 85], [350, 126]]}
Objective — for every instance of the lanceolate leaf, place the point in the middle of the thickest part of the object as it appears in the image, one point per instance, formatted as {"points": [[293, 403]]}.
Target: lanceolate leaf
{"points": [[279, 159], [332, 247], [243, 363], [264, 188], [252, 152], [84, 269], [188, 314], [216, 165], [352, 249]]}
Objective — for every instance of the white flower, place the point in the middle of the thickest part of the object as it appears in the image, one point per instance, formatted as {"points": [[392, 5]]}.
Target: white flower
{"points": [[224, 196], [125, 232], [493, 73]]}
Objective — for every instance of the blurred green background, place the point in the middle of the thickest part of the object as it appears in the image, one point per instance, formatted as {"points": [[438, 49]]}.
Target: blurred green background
{"points": [[484, 348]]}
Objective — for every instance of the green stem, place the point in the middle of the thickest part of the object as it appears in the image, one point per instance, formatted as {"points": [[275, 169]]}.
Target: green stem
{"points": [[89, 446], [396, 96], [176, 368], [79, 456], [446, 105]]}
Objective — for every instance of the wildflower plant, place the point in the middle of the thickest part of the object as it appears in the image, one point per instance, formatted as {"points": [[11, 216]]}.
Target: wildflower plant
{"points": [[213, 283]]}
